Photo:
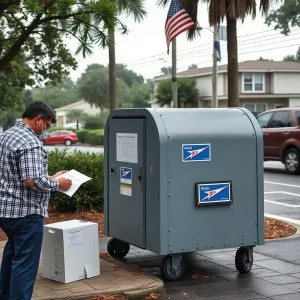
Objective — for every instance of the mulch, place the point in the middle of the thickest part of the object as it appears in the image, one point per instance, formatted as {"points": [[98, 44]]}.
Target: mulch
{"points": [[273, 228]]}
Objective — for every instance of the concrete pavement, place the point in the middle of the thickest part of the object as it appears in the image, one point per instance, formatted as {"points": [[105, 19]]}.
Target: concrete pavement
{"points": [[210, 275], [115, 278]]}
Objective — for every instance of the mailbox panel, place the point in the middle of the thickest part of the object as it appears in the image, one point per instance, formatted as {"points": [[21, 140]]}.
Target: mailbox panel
{"points": [[126, 171]]}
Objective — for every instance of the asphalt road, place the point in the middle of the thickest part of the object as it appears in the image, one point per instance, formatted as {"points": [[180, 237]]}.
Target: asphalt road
{"points": [[282, 192]]}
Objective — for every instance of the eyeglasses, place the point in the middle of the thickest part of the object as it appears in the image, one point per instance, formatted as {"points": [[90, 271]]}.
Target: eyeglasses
{"points": [[48, 125]]}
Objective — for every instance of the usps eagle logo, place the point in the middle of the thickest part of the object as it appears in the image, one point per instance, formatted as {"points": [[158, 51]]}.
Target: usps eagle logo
{"points": [[125, 173], [214, 193], [192, 153]]}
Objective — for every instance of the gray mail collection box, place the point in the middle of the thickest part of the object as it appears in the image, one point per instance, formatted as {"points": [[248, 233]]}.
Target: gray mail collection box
{"points": [[183, 180]]}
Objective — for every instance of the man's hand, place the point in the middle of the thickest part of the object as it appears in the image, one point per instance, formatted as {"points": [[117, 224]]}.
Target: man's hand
{"points": [[58, 174], [64, 183]]}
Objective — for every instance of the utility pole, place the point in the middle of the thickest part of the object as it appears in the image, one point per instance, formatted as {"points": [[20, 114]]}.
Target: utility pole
{"points": [[174, 75], [214, 102]]}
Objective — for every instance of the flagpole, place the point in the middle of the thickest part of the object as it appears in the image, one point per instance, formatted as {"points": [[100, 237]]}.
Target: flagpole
{"points": [[214, 103], [174, 75]]}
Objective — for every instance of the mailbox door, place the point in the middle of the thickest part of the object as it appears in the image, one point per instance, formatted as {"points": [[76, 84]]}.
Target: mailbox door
{"points": [[127, 180]]}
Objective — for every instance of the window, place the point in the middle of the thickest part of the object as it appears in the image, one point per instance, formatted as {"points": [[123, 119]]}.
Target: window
{"points": [[258, 108], [54, 133], [253, 83], [264, 119], [298, 117], [281, 119]]}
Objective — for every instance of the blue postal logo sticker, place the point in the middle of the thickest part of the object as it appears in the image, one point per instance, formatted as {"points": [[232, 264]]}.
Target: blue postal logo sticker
{"points": [[214, 193], [126, 175], [193, 152]]}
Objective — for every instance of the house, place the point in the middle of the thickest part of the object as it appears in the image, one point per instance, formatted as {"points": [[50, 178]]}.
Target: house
{"points": [[85, 107], [263, 85]]}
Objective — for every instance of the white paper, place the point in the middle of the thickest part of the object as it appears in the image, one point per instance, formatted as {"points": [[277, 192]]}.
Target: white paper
{"points": [[127, 147], [126, 190], [75, 238], [77, 180]]}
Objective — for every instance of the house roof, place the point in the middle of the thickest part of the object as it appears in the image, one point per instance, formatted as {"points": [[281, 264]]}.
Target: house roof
{"points": [[70, 106], [249, 65]]}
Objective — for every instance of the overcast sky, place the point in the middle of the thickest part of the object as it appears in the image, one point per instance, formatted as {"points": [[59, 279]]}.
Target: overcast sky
{"points": [[144, 49]]}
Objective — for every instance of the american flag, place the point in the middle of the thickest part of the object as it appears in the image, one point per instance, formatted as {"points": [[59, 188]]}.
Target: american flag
{"points": [[177, 22]]}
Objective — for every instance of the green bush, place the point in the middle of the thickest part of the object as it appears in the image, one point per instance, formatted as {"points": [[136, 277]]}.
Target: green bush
{"points": [[90, 195], [81, 135], [95, 137], [96, 122]]}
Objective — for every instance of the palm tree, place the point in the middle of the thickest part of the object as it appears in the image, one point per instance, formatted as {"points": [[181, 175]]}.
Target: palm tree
{"points": [[134, 8], [77, 115], [232, 10]]}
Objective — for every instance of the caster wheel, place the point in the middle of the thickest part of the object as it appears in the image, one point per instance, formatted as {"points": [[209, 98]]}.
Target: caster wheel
{"points": [[168, 273], [243, 260], [117, 248]]}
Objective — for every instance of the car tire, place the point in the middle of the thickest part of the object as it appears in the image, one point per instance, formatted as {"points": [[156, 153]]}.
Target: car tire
{"points": [[292, 161], [68, 142]]}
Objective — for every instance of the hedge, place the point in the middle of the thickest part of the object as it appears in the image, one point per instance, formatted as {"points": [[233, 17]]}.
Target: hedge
{"points": [[95, 137], [90, 195]]}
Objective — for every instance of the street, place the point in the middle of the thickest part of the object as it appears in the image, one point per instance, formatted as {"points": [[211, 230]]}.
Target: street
{"points": [[282, 192]]}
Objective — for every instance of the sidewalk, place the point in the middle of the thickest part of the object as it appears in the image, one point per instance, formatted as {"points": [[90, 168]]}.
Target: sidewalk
{"points": [[115, 278]]}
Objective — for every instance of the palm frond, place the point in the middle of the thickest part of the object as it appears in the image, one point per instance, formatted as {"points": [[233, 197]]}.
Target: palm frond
{"points": [[134, 8]]}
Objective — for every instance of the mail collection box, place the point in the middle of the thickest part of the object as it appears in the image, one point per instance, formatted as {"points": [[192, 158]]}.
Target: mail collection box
{"points": [[184, 180], [70, 251]]}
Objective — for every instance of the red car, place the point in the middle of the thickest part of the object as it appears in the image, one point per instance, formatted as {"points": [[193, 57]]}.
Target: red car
{"points": [[60, 137], [281, 130]]}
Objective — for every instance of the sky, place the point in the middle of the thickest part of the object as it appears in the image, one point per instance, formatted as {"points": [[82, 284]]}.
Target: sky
{"points": [[144, 49]]}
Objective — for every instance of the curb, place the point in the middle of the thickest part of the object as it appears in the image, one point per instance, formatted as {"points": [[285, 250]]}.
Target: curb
{"points": [[283, 219], [141, 294]]}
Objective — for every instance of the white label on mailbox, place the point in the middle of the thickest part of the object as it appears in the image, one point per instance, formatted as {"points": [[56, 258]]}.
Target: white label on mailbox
{"points": [[127, 147], [75, 238], [126, 190]]}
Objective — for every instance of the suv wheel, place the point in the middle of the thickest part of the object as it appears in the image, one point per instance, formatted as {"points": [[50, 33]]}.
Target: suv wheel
{"points": [[292, 161]]}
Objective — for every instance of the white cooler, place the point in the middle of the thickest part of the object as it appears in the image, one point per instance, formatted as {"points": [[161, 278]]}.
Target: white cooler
{"points": [[70, 251]]}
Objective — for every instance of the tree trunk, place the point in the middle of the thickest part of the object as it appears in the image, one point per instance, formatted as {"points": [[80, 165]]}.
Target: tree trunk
{"points": [[112, 73], [77, 124], [233, 74]]}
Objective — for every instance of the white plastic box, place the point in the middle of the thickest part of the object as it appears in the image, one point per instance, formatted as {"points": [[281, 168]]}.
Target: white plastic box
{"points": [[70, 251]]}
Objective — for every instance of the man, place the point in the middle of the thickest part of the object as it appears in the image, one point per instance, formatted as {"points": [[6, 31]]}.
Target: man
{"points": [[24, 194]]}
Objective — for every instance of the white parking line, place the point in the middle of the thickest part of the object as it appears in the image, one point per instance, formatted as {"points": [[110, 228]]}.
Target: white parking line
{"points": [[283, 184], [283, 192], [283, 204]]}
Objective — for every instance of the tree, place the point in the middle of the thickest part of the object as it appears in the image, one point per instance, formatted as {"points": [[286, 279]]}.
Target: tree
{"points": [[232, 10], [188, 94], [293, 57], [133, 8], [141, 94], [59, 95], [193, 66], [76, 115], [93, 86], [166, 70], [287, 16], [8, 117], [129, 76], [264, 59], [32, 50]]}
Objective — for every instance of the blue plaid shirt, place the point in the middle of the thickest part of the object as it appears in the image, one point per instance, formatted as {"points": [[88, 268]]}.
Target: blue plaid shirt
{"points": [[23, 157]]}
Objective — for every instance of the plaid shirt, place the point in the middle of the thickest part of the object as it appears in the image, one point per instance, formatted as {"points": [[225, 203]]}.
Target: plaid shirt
{"points": [[23, 157]]}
